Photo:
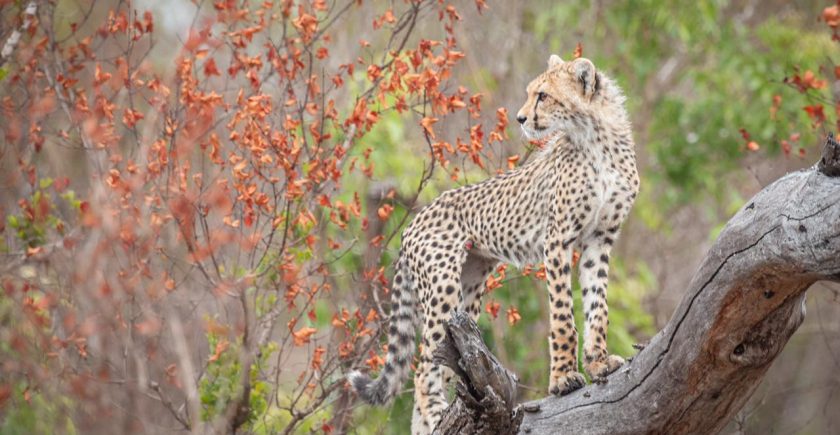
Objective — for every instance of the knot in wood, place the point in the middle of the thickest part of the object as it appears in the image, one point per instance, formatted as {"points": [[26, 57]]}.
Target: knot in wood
{"points": [[764, 340]]}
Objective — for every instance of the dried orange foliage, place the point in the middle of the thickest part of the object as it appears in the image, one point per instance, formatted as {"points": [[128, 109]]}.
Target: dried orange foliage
{"points": [[495, 280], [814, 84], [492, 308], [513, 316], [578, 51], [831, 16], [209, 190]]}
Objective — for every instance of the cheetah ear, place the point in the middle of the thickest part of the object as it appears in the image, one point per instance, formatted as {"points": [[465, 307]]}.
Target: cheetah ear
{"points": [[584, 71], [554, 61]]}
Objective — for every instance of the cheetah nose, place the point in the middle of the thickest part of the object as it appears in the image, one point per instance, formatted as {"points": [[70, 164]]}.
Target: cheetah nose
{"points": [[521, 119]]}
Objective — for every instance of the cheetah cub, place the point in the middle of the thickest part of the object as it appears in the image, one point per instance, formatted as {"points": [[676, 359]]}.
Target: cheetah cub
{"points": [[574, 195]]}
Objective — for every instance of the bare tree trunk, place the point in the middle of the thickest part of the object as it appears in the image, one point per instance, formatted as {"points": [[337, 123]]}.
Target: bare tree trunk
{"points": [[740, 309]]}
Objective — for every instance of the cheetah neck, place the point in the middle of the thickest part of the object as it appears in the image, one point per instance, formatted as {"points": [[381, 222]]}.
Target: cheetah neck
{"points": [[604, 139]]}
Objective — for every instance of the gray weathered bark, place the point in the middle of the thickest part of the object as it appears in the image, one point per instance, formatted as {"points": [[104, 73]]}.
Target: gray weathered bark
{"points": [[740, 309], [486, 391]]}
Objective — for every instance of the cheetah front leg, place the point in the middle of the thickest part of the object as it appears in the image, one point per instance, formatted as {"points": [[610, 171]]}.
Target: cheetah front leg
{"points": [[594, 268], [564, 377]]}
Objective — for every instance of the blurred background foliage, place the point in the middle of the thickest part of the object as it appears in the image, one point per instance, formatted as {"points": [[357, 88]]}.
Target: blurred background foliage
{"points": [[715, 119]]}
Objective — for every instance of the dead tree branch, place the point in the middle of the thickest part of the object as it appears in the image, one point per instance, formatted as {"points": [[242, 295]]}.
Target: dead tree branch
{"points": [[740, 309], [486, 391]]}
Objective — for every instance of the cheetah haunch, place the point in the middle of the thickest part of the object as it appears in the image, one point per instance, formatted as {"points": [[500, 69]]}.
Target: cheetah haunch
{"points": [[574, 195]]}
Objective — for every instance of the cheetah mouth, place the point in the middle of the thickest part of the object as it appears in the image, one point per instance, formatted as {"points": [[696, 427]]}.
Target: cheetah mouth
{"points": [[535, 132], [527, 132]]}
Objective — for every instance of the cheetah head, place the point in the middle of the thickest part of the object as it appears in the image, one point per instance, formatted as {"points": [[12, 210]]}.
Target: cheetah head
{"points": [[567, 97]]}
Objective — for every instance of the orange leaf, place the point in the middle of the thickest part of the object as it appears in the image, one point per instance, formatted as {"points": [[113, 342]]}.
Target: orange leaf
{"points": [[377, 241], [318, 357], [816, 113], [511, 161], [307, 25], [221, 346], [210, 68], [371, 315], [427, 123], [493, 308], [831, 15], [385, 211], [100, 77], [375, 361], [302, 335], [540, 273], [578, 51], [806, 81], [130, 117], [513, 316]]}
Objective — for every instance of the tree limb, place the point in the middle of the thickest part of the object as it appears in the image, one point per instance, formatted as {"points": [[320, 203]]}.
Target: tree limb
{"points": [[485, 392], [740, 309]]}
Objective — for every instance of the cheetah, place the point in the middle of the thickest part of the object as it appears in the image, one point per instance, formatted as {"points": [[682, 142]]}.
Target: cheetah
{"points": [[573, 195]]}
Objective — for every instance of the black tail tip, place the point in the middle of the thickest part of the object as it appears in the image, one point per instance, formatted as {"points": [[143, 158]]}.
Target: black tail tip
{"points": [[369, 391]]}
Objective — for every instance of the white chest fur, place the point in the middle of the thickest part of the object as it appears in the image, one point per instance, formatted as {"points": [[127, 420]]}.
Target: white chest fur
{"points": [[603, 190]]}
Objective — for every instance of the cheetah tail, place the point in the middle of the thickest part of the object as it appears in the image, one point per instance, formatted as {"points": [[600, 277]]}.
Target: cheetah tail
{"points": [[400, 347]]}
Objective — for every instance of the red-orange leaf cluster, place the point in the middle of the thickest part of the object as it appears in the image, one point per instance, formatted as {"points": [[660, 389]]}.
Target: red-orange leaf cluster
{"points": [[492, 308], [513, 316]]}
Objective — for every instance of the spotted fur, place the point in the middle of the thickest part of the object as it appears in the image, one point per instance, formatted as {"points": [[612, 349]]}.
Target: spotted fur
{"points": [[574, 195]]}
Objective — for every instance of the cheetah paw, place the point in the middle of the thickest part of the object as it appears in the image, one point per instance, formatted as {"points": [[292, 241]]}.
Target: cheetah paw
{"points": [[600, 369], [563, 385]]}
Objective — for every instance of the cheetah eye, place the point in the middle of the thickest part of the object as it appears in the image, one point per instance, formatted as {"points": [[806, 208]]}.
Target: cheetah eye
{"points": [[541, 96]]}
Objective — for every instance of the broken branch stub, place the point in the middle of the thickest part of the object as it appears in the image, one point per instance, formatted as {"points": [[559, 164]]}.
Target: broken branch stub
{"points": [[485, 392], [830, 161]]}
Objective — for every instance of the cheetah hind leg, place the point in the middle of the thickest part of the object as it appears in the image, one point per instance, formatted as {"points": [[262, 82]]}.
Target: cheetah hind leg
{"points": [[474, 274], [430, 380]]}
